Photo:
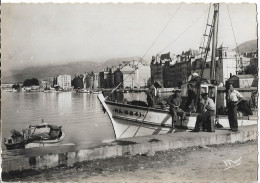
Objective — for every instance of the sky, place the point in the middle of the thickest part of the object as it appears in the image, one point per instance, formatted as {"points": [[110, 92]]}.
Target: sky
{"points": [[43, 34]]}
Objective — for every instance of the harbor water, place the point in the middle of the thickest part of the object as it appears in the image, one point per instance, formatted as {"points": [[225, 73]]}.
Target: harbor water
{"points": [[80, 114]]}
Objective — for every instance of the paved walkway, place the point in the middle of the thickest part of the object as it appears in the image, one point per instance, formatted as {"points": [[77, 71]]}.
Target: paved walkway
{"points": [[196, 164]]}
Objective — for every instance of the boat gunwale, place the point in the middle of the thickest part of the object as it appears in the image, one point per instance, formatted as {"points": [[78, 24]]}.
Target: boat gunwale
{"points": [[141, 121], [146, 108], [137, 107]]}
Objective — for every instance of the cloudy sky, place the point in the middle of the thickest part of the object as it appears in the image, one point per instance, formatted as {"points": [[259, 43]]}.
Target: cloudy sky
{"points": [[41, 34]]}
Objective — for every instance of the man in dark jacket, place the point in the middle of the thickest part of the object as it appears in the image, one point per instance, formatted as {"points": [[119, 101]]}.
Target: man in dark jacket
{"points": [[207, 109], [175, 102], [190, 104]]}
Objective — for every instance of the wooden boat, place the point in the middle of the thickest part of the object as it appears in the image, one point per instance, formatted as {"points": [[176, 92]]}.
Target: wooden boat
{"points": [[46, 142], [16, 141], [133, 120], [35, 136], [130, 120]]}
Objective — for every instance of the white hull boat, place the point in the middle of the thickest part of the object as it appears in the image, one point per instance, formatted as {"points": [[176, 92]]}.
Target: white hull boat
{"points": [[132, 121]]}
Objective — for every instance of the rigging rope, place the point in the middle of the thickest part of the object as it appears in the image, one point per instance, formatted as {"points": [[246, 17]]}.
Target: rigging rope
{"points": [[236, 44], [184, 31], [233, 30], [148, 48], [203, 37]]}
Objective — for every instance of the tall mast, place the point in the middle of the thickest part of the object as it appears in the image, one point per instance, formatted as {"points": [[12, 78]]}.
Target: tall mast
{"points": [[212, 35], [214, 42]]}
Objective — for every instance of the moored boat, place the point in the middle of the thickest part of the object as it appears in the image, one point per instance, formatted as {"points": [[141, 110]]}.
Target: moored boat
{"points": [[130, 120], [96, 92], [83, 91], [134, 120], [35, 136]]}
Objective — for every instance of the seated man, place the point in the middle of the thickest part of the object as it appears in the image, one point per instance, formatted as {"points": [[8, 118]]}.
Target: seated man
{"points": [[175, 101], [207, 109]]}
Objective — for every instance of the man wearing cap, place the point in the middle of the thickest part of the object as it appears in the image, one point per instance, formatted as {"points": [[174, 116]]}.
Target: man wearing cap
{"points": [[207, 108], [233, 98], [175, 101]]}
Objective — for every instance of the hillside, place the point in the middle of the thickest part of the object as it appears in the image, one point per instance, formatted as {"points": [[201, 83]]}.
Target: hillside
{"points": [[247, 46], [44, 72]]}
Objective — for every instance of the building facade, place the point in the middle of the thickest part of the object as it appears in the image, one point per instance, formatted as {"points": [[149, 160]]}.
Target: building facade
{"points": [[243, 81], [64, 81], [118, 78]]}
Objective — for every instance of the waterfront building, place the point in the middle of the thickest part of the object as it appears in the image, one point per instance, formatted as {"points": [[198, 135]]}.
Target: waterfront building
{"points": [[227, 64], [243, 81], [96, 82], [158, 68], [64, 81], [45, 85], [106, 77], [172, 71], [128, 77], [92, 80], [142, 74], [77, 82], [51, 80], [133, 76], [118, 78], [252, 54], [89, 81]]}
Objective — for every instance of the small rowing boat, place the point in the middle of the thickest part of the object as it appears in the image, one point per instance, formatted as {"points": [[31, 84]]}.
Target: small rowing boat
{"points": [[35, 136]]}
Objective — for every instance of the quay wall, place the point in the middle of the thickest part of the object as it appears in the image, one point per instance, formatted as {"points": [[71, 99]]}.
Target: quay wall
{"points": [[130, 146]]}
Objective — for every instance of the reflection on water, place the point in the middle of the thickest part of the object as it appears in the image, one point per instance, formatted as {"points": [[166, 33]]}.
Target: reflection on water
{"points": [[79, 114]]}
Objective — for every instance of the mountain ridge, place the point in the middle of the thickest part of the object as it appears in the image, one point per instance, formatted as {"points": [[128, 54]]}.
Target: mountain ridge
{"points": [[71, 68]]}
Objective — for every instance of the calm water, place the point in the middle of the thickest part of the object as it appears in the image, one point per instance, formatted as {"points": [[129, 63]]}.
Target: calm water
{"points": [[79, 114]]}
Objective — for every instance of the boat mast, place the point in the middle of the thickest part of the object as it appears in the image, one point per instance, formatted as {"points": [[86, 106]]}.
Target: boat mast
{"points": [[214, 42], [212, 33]]}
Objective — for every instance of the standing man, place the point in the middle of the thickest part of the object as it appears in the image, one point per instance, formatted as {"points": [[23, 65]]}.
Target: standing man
{"points": [[233, 98], [207, 109], [152, 94], [175, 101], [190, 104]]}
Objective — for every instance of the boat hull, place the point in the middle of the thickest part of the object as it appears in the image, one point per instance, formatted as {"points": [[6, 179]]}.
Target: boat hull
{"points": [[20, 145], [43, 143], [131, 121]]}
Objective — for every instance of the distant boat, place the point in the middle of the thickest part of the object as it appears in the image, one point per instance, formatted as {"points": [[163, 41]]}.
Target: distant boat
{"points": [[35, 136], [83, 91], [47, 91], [96, 92], [9, 90]]}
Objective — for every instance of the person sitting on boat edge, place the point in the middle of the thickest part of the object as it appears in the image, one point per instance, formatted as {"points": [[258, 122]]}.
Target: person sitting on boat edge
{"points": [[174, 101], [207, 109]]}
